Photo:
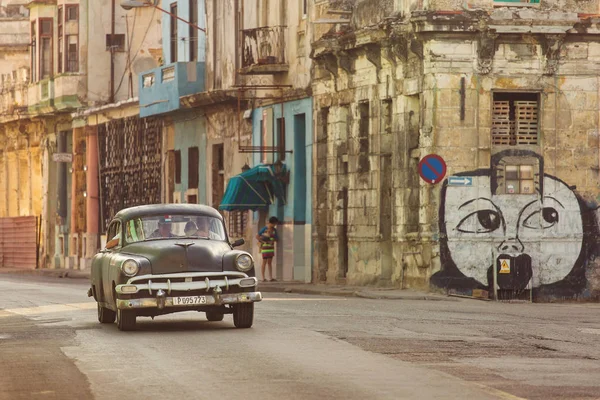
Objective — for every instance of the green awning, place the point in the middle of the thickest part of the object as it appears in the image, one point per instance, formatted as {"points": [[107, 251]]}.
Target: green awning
{"points": [[254, 190]]}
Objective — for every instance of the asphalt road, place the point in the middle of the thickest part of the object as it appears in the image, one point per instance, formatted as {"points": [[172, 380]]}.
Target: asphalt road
{"points": [[301, 347]]}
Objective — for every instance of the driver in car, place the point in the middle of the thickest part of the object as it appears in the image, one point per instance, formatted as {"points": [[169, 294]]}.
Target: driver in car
{"points": [[164, 229]]}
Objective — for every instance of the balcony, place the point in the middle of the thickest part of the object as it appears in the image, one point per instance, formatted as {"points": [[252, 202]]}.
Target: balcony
{"points": [[162, 87], [263, 51], [59, 93]]}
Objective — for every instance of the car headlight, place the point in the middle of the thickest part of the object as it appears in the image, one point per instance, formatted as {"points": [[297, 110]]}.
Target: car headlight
{"points": [[130, 267], [244, 262]]}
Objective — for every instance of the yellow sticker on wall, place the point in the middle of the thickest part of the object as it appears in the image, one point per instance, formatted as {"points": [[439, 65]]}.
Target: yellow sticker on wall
{"points": [[505, 266]]}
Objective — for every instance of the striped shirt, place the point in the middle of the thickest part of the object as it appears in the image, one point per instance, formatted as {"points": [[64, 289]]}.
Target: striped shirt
{"points": [[269, 246]]}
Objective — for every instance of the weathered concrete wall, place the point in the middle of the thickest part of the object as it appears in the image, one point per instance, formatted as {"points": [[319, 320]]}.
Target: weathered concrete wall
{"points": [[190, 131], [408, 93], [590, 7], [223, 127], [145, 38]]}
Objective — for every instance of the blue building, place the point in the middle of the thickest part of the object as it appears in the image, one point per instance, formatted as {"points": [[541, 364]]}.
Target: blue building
{"points": [[288, 127], [181, 74]]}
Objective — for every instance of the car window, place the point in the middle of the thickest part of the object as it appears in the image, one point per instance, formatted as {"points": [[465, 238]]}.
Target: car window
{"points": [[134, 231], [174, 226], [114, 232]]}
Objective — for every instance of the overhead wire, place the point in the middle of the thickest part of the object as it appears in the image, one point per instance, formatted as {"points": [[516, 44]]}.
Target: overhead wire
{"points": [[137, 52]]}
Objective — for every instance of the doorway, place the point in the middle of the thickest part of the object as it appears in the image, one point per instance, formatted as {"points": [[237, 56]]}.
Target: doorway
{"points": [[300, 192]]}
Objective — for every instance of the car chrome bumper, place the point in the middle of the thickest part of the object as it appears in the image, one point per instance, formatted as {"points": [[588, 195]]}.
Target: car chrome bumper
{"points": [[214, 299], [211, 281]]}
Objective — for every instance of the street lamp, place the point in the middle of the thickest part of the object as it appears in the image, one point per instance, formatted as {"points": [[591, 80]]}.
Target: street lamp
{"points": [[129, 4]]}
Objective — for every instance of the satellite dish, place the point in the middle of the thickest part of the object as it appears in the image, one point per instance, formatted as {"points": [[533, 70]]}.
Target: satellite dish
{"points": [[142, 64]]}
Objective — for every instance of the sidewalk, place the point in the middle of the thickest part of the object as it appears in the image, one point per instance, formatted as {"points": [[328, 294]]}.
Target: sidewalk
{"points": [[364, 292]]}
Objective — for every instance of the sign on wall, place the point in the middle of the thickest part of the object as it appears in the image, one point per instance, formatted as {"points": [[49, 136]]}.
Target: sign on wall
{"points": [[432, 168], [62, 157], [460, 181]]}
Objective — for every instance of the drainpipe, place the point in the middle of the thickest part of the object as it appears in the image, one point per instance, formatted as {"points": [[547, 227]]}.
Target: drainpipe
{"points": [[112, 53]]}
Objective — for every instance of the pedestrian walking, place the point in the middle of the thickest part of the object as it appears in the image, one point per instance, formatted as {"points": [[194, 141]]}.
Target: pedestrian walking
{"points": [[267, 237]]}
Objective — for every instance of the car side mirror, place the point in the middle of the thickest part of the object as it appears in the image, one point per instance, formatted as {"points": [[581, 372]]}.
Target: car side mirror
{"points": [[112, 244], [238, 243]]}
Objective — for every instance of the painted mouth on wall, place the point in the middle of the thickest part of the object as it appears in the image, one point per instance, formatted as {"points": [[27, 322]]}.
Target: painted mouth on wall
{"points": [[513, 272]]}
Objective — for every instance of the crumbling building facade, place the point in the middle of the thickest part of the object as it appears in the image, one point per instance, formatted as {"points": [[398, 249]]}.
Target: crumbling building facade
{"points": [[506, 94]]}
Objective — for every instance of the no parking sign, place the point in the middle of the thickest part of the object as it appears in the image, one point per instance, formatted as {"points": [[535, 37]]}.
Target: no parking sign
{"points": [[432, 168]]}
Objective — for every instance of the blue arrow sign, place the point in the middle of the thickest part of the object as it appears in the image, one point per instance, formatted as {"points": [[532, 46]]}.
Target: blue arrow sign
{"points": [[460, 181]]}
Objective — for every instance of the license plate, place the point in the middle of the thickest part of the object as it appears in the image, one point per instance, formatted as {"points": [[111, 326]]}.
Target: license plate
{"points": [[189, 300]]}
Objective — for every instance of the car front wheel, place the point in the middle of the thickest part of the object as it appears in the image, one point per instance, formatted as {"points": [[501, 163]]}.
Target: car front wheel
{"points": [[214, 316], [243, 315], [126, 320], [106, 315]]}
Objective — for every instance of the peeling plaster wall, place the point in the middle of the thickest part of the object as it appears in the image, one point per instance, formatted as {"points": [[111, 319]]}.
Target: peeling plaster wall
{"points": [[422, 79], [222, 128], [544, 5], [145, 38]]}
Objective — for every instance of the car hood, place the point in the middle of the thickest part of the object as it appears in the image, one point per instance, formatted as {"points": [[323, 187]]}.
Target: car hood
{"points": [[181, 255]]}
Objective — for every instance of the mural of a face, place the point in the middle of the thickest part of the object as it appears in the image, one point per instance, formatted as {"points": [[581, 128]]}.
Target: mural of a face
{"points": [[538, 235]]}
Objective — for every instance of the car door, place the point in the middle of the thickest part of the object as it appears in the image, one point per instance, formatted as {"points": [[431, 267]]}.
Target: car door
{"points": [[114, 232]]}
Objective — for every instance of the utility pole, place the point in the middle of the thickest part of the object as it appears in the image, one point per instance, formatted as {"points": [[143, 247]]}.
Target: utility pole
{"points": [[112, 53]]}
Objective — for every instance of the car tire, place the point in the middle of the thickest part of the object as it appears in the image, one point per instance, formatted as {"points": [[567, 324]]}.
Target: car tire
{"points": [[126, 320], [106, 315], [214, 316], [243, 315]]}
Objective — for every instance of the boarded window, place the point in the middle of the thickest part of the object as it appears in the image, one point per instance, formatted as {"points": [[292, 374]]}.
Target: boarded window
{"points": [[115, 42], [193, 167], [33, 52], [72, 48], [363, 137], [281, 138], [386, 106], [218, 174], [193, 31], [238, 222], [515, 119], [171, 178], [46, 47], [177, 166], [60, 39], [173, 32], [72, 12]]}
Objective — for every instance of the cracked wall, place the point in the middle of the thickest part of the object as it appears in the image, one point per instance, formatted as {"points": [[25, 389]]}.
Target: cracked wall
{"points": [[440, 88]]}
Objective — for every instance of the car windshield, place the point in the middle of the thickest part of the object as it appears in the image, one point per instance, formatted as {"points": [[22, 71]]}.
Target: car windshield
{"points": [[174, 226]]}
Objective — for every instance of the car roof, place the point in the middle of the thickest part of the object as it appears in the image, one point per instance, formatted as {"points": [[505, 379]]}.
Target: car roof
{"points": [[167, 209]]}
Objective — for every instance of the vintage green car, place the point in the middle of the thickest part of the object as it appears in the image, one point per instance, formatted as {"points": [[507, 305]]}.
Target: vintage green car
{"points": [[161, 259]]}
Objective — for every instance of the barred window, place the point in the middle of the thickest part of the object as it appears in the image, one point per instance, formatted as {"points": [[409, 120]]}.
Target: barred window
{"points": [[238, 222]]}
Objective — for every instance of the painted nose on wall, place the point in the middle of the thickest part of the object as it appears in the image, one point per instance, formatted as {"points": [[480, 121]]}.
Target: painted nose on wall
{"points": [[511, 245]]}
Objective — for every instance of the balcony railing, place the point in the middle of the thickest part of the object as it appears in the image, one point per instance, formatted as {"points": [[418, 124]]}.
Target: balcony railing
{"points": [[264, 50]]}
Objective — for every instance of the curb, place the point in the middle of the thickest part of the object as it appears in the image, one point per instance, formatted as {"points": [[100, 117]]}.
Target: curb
{"points": [[351, 293], [56, 273]]}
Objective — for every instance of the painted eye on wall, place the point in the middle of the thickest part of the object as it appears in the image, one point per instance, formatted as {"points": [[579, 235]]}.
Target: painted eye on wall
{"points": [[481, 221], [545, 218]]}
